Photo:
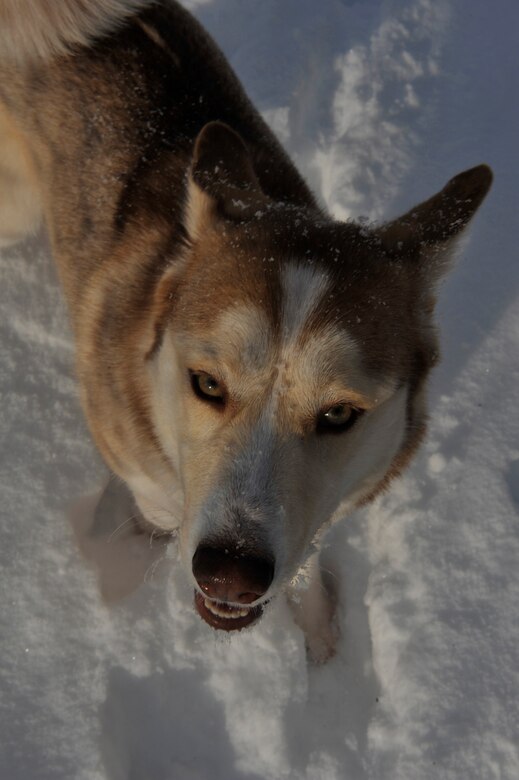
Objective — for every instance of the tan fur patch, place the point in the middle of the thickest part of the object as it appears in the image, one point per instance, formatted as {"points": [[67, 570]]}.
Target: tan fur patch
{"points": [[20, 201], [43, 28]]}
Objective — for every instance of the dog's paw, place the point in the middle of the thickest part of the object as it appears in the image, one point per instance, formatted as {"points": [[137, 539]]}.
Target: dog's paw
{"points": [[313, 604], [321, 643]]}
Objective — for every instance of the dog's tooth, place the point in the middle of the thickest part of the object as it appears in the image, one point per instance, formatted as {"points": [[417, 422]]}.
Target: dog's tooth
{"points": [[229, 612], [211, 606]]}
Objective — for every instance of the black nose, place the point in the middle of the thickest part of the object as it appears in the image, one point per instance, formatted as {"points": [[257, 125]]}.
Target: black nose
{"points": [[225, 574]]}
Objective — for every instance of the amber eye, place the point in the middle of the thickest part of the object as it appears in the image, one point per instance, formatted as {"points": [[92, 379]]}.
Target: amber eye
{"points": [[337, 418], [207, 387]]}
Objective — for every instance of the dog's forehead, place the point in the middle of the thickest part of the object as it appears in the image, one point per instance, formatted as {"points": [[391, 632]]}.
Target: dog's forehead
{"points": [[294, 347], [283, 263], [253, 333], [313, 294], [249, 327]]}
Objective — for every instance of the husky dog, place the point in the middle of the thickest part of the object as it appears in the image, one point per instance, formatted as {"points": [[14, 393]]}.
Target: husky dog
{"points": [[250, 367]]}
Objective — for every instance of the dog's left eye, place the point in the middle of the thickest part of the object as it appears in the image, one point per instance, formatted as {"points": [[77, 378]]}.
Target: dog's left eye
{"points": [[337, 418], [206, 387]]}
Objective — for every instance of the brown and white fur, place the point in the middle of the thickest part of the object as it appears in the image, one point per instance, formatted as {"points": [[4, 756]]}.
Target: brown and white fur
{"points": [[249, 366]]}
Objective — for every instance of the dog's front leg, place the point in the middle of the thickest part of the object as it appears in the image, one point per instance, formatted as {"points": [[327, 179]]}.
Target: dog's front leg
{"points": [[313, 604]]}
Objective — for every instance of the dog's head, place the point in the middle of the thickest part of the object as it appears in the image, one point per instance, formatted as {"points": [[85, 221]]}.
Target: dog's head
{"points": [[286, 376]]}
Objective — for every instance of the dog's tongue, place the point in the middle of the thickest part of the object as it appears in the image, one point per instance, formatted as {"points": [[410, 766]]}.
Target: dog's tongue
{"points": [[224, 617]]}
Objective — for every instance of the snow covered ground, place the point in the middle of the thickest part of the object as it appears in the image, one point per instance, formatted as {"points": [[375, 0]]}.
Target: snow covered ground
{"points": [[379, 102]]}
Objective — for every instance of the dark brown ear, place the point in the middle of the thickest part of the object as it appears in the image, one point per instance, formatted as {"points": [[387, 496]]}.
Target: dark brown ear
{"points": [[222, 179], [429, 229]]}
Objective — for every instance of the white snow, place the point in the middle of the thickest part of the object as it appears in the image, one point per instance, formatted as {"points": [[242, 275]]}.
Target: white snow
{"points": [[105, 678]]}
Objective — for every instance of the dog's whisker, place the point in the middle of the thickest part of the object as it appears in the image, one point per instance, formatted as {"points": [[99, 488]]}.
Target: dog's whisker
{"points": [[117, 531], [152, 568], [330, 573]]}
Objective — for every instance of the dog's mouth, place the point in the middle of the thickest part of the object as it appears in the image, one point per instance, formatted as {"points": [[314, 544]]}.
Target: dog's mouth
{"points": [[224, 616]]}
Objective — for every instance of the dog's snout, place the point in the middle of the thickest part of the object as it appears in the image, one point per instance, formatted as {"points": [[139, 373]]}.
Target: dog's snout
{"points": [[227, 575]]}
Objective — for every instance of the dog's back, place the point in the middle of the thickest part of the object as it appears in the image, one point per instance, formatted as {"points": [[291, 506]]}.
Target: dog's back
{"points": [[108, 108]]}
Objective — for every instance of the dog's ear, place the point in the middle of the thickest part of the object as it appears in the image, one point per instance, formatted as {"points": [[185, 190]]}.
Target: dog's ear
{"points": [[426, 233], [222, 182]]}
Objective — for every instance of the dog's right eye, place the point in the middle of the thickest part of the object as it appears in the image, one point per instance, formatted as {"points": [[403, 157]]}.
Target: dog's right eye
{"points": [[207, 387], [337, 419]]}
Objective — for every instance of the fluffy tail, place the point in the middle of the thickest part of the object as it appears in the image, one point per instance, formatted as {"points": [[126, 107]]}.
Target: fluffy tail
{"points": [[32, 29]]}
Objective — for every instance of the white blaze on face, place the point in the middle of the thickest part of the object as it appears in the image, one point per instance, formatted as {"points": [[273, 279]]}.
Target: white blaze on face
{"points": [[303, 290]]}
